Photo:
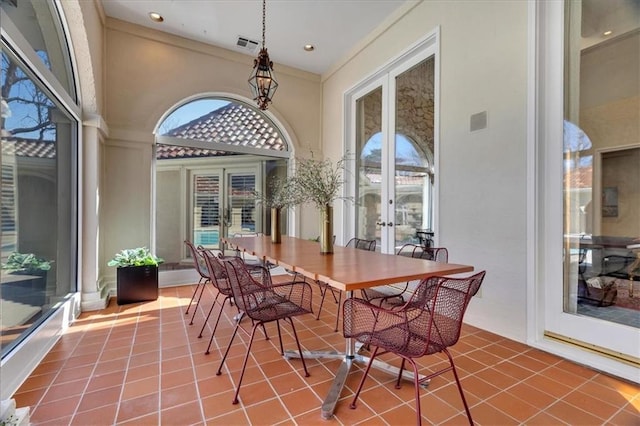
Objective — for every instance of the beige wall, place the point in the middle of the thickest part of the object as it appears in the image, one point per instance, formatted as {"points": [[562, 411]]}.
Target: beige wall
{"points": [[482, 205], [147, 74]]}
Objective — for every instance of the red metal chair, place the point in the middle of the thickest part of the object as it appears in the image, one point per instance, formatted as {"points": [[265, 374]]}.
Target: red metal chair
{"points": [[201, 268], [264, 302], [428, 323], [221, 283], [385, 293]]}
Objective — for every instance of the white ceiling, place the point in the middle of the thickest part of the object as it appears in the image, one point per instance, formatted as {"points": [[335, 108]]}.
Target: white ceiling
{"points": [[334, 27]]}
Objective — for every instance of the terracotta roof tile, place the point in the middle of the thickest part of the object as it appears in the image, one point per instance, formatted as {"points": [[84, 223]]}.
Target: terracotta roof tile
{"points": [[233, 124], [28, 148]]}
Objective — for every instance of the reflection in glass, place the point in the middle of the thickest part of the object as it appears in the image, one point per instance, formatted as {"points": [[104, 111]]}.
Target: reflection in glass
{"points": [[414, 152], [37, 166], [601, 158]]}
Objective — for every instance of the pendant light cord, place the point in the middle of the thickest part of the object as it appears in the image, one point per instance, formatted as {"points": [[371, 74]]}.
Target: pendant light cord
{"points": [[264, 25]]}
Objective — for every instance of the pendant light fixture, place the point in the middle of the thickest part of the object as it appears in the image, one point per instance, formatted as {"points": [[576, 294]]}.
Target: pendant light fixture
{"points": [[262, 81]]}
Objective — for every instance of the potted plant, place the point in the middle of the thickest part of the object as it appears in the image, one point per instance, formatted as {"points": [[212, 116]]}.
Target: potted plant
{"points": [[320, 181], [282, 193], [30, 287], [137, 275]]}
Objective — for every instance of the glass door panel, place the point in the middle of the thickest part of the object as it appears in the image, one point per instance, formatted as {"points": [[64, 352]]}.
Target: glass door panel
{"points": [[206, 210], [414, 146], [597, 305], [240, 214], [369, 176], [395, 181]]}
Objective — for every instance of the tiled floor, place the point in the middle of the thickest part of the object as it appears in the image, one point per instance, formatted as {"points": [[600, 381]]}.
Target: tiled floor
{"points": [[143, 364]]}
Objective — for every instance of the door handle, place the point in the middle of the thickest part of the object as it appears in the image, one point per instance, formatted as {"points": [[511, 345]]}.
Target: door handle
{"points": [[381, 224], [390, 224]]}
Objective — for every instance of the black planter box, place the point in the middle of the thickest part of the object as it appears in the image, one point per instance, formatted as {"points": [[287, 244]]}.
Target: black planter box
{"points": [[137, 284]]}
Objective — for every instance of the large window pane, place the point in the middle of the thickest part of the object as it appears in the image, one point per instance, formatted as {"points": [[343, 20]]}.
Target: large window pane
{"points": [[38, 219]]}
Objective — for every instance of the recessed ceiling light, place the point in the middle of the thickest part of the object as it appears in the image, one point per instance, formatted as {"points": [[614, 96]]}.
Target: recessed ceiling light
{"points": [[156, 17], [607, 33], [309, 47]]}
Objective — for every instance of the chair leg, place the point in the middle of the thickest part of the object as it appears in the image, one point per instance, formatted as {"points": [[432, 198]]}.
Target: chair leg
{"points": [[224, 357], [455, 374], [279, 337], [244, 364], [213, 332], [213, 305], [323, 292], [364, 377], [193, 296], [295, 334], [416, 386], [338, 313], [400, 374], [204, 284]]}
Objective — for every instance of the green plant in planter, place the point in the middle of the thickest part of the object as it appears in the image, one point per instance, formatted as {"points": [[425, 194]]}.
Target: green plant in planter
{"points": [[140, 256], [137, 275], [27, 264]]}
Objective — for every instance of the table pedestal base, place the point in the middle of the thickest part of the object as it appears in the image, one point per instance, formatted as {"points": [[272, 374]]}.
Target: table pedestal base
{"points": [[330, 401]]}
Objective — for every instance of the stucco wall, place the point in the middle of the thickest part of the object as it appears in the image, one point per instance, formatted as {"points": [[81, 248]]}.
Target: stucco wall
{"points": [[481, 175], [147, 74]]}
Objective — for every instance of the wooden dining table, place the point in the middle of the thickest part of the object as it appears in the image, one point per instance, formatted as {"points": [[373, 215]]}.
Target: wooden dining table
{"points": [[346, 269]]}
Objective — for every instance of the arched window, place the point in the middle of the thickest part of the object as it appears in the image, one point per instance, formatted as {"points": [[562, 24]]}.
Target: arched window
{"points": [[212, 155]]}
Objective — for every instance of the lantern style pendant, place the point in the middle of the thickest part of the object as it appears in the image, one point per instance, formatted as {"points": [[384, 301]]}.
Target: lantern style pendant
{"points": [[262, 81]]}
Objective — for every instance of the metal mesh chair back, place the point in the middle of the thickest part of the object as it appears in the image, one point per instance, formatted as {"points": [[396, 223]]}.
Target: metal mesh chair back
{"points": [[362, 244], [198, 260], [438, 254]]}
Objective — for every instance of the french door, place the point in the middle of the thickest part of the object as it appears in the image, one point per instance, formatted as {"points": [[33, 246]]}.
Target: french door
{"points": [[223, 204], [394, 143]]}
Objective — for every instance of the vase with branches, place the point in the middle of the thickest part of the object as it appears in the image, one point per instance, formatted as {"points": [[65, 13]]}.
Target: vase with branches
{"points": [[321, 181], [282, 193]]}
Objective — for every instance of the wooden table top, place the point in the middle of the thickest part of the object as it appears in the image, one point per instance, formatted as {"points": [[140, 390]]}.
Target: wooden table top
{"points": [[347, 268]]}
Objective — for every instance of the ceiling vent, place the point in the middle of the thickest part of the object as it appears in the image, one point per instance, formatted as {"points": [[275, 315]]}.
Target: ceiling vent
{"points": [[247, 44]]}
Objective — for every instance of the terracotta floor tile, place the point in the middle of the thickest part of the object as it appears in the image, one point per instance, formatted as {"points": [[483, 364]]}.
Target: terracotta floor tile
{"points": [[104, 415], [486, 414], [135, 389], [137, 407], [152, 370], [627, 416], [513, 406], [64, 390], [55, 410], [174, 364], [107, 380], [186, 414], [233, 418], [149, 419], [142, 372], [255, 392], [287, 383], [179, 395], [592, 403], [267, 413], [29, 398], [177, 378], [99, 398], [39, 381], [570, 414], [301, 401], [549, 385]]}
